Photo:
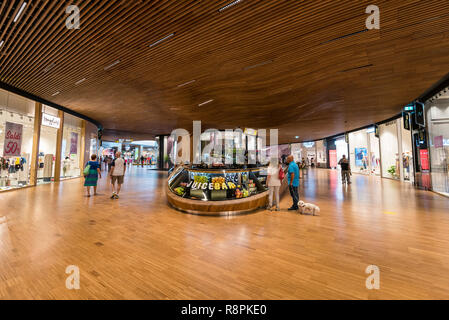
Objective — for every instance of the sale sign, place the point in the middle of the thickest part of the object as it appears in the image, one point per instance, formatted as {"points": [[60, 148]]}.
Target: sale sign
{"points": [[424, 156], [438, 142], [13, 140], [74, 143]]}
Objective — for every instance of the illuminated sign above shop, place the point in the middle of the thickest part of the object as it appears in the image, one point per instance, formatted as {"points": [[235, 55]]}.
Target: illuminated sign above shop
{"points": [[371, 130], [308, 144], [250, 132], [409, 107], [51, 121]]}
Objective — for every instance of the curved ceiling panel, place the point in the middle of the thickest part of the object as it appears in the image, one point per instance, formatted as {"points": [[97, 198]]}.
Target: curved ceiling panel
{"points": [[309, 68]]}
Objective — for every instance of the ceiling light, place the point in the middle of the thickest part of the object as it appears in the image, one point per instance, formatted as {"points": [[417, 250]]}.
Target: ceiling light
{"points": [[20, 12], [229, 5], [81, 81], [184, 84], [204, 103], [55, 94], [297, 137], [49, 67], [163, 39], [1, 43], [112, 65], [258, 65]]}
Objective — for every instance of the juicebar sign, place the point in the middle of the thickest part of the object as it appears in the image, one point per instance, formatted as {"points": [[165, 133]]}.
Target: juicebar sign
{"points": [[13, 140]]}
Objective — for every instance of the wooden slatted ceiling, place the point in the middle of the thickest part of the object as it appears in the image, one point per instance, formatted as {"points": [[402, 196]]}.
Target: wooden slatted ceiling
{"points": [[265, 64]]}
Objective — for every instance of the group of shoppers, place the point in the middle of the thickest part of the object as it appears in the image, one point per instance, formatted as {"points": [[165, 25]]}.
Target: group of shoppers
{"points": [[116, 174], [275, 177], [274, 180]]}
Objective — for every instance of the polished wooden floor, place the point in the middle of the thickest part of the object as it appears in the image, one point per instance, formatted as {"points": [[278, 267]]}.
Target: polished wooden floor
{"points": [[138, 248]]}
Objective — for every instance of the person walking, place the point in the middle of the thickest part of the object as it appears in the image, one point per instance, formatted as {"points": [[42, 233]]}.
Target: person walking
{"points": [[273, 183], [91, 179], [345, 170], [117, 174], [142, 160], [293, 182], [109, 163]]}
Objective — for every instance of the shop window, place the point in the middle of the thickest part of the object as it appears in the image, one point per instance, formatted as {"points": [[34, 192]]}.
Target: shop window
{"points": [[437, 114], [16, 140], [407, 155], [47, 145], [364, 152], [320, 154], [71, 147], [388, 135]]}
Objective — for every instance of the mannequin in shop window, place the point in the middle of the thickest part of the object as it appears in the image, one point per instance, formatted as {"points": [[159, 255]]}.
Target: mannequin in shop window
{"points": [[65, 166]]}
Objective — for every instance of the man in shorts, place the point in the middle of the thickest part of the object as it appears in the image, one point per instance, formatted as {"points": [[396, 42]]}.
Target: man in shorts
{"points": [[117, 174]]}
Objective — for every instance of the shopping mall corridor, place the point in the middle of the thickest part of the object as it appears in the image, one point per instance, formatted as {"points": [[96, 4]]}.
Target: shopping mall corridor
{"points": [[139, 248]]}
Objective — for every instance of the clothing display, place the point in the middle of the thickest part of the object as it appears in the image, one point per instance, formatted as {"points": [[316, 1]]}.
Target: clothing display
{"points": [[14, 171], [48, 167]]}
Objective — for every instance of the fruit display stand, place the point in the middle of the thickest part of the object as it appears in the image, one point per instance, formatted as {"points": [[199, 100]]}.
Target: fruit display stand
{"points": [[217, 191]]}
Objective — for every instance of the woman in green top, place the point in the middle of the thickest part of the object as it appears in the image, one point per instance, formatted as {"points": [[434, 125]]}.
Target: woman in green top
{"points": [[91, 178]]}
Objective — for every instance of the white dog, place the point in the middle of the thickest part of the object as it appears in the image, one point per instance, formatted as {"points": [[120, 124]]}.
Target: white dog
{"points": [[308, 208]]}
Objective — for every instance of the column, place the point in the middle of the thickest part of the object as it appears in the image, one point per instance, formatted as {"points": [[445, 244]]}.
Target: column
{"points": [[399, 133], [36, 138], [83, 146], [370, 164], [192, 155], [59, 138]]}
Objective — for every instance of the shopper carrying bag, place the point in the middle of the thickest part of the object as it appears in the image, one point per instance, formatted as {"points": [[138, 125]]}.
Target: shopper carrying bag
{"points": [[91, 174]]}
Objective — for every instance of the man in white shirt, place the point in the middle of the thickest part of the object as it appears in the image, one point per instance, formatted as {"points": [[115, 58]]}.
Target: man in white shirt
{"points": [[117, 174]]}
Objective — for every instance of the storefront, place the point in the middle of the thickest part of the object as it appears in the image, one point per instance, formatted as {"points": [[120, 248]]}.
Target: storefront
{"points": [[336, 148], [296, 151], [71, 147], [364, 152], [437, 115], [47, 145], [32, 133], [320, 153], [396, 151], [389, 150], [16, 140], [148, 149]]}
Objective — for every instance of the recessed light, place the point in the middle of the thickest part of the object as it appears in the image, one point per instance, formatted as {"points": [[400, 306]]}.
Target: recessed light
{"points": [[49, 67], [112, 65], [55, 94], [1, 43], [204, 103], [258, 65], [20, 12], [184, 84], [229, 5], [161, 40], [81, 81]]}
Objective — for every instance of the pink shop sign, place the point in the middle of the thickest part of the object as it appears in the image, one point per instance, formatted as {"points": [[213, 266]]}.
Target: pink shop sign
{"points": [[438, 142], [13, 140]]}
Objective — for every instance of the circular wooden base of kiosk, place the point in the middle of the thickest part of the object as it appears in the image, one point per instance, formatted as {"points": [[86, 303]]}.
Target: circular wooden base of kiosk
{"points": [[217, 208]]}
